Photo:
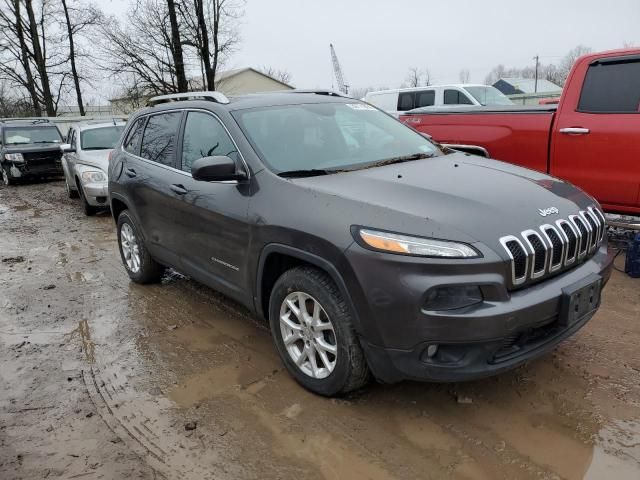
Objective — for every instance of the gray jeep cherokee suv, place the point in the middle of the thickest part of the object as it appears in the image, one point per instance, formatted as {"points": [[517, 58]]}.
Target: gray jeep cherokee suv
{"points": [[367, 248]]}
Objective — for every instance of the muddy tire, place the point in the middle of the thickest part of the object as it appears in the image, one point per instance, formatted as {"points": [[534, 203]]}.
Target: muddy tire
{"points": [[135, 257], [89, 210], [7, 178], [70, 192], [312, 328]]}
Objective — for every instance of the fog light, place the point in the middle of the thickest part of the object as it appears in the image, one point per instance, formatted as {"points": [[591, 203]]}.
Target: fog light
{"points": [[432, 350], [452, 297]]}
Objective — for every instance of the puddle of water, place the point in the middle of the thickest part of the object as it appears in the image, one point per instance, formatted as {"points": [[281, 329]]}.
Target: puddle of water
{"points": [[617, 453]]}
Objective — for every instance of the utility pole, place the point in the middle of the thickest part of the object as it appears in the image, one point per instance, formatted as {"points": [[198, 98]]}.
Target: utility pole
{"points": [[535, 86]]}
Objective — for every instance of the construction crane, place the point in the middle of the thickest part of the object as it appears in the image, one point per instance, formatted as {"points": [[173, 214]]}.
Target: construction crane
{"points": [[342, 86]]}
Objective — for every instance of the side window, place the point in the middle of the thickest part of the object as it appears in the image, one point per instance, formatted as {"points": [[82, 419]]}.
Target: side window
{"points": [[133, 139], [204, 136], [160, 138], [405, 101], [425, 99], [456, 97], [611, 87]]}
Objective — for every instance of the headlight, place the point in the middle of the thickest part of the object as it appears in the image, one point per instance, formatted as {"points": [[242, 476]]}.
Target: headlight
{"points": [[14, 157], [93, 176], [424, 247]]}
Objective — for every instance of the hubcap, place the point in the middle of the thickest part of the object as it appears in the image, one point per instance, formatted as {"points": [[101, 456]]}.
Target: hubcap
{"points": [[130, 248], [308, 335]]}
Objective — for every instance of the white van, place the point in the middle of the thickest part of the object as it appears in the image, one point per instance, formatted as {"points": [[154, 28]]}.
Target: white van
{"points": [[401, 100]]}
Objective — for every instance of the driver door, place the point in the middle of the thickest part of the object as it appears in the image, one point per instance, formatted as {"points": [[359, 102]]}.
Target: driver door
{"points": [[211, 217]]}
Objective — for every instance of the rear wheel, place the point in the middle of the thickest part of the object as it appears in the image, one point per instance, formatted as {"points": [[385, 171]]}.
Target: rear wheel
{"points": [[313, 331], [135, 257]]}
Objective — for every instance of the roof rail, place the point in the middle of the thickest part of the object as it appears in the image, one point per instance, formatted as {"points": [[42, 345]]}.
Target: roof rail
{"points": [[32, 121], [217, 97], [330, 93]]}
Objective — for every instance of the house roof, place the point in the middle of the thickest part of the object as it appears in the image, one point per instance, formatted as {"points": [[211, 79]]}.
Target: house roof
{"points": [[527, 85], [223, 75]]}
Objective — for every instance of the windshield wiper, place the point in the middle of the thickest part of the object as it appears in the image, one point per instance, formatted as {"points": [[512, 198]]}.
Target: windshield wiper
{"points": [[404, 158], [46, 141], [96, 148], [314, 172]]}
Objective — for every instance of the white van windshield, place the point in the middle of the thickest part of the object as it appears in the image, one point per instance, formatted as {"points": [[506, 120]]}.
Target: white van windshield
{"points": [[488, 95]]}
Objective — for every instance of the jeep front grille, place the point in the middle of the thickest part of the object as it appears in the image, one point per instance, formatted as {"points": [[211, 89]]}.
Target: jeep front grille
{"points": [[536, 253]]}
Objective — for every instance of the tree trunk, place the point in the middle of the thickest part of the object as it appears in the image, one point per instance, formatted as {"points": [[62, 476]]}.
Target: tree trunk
{"points": [[176, 50], [31, 85], [205, 54], [40, 60], [72, 57], [217, 7]]}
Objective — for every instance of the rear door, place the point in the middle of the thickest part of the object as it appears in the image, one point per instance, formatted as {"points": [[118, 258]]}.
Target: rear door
{"points": [[150, 174], [596, 137], [211, 218]]}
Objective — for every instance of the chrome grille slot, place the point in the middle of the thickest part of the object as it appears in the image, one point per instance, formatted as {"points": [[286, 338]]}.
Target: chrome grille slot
{"points": [[538, 252], [572, 241], [583, 234], [519, 260], [557, 247], [550, 248]]}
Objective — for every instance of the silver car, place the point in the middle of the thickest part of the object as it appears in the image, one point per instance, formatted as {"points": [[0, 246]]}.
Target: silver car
{"points": [[86, 160]]}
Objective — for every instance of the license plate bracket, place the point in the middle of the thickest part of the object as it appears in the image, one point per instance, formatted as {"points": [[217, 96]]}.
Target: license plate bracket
{"points": [[580, 299]]}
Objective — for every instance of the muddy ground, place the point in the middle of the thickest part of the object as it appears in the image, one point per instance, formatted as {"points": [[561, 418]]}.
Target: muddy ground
{"points": [[101, 378]]}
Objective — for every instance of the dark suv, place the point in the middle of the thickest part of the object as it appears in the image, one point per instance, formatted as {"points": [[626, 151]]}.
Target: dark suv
{"points": [[368, 248], [29, 148]]}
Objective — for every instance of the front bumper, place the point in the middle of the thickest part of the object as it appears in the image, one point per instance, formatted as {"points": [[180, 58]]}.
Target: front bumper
{"points": [[97, 194], [33, 169], [504, 331]]}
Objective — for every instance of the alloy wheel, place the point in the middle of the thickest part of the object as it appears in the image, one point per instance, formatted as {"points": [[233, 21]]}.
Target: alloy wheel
{"points": [[308, 335], [130, 248]]}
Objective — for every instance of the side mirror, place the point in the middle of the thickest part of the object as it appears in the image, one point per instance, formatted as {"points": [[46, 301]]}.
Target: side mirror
{"points": [[66, 148], [216, 169]]}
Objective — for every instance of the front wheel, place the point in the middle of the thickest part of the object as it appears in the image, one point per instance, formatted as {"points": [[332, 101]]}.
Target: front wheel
{"points": [[7, 178], [70, 192], [89, 210], [135, 257], [313, 331]]}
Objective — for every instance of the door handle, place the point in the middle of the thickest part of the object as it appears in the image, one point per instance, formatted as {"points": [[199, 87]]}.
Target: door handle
{"points": [[130, 172], [574, 131], [179, 189]]}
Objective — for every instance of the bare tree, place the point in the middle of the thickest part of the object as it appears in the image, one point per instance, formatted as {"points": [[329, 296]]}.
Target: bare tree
{"points": [[569, 59], [464, 75], [426, 74], [176, 47], [210, 27], [77, 20], [283, 76], [39, 53], [414, 77]]}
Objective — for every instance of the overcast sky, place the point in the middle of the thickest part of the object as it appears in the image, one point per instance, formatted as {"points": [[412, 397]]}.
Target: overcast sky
{"points": [[377, 41]]}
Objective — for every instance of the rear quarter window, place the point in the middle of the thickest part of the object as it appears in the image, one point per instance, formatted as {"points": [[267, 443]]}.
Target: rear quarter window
{"points": [[132, 142], [611, 88]]}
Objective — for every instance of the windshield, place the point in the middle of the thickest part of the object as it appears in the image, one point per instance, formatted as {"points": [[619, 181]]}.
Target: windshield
{"points": [[328, 136], [103, 138], [488, 95], [23, 135]]}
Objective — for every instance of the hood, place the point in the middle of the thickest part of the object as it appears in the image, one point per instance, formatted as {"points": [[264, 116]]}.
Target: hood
{"points": [[33, 147], [456, 196], [95, 158]]}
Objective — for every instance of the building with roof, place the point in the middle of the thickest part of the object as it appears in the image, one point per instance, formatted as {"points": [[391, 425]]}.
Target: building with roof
{"points": [[518, 86], [230, 82]]}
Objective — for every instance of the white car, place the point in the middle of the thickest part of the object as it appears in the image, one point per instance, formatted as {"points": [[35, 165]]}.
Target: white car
{"points": [[86, 160], [400, 100]]}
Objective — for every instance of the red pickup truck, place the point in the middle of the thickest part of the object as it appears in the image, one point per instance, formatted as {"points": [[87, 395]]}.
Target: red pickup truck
{"points": [[591, 138]]}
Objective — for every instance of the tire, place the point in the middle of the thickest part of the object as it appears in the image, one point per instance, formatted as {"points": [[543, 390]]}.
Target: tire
{"points": [[7, 178], [309, 285], [70, 192], [89, 210], [145, 269]]}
